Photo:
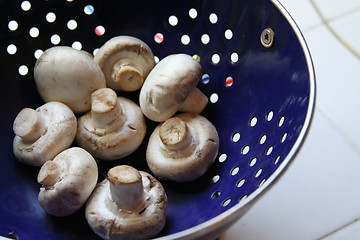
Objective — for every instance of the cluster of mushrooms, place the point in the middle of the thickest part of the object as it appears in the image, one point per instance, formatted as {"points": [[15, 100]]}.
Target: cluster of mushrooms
{"points": [[83, 106]]}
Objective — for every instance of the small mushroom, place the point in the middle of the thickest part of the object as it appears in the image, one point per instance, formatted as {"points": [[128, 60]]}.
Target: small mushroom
{"points": [[113, 129], [129, 204], [69, 76], [182, 148], [126, 61], [67, 181], [171, 87], [43, 133]]}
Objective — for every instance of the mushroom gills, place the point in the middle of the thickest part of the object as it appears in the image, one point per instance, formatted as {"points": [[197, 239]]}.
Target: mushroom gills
{"points": [[125, 61]]}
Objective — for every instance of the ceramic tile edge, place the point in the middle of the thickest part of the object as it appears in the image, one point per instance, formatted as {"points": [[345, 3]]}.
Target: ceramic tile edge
{"points": [[334, 17], [326, 22], [340, 229], [339, 129]]}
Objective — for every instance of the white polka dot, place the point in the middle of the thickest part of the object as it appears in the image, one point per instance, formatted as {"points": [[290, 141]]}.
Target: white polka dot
{"points": [[215, 58], [228, 34], [185, 39], [213, 18], [34, 32], [193, 13], [11, 49], [50, 17], [23, 70], [72, 24], [173, 20], [77, 45], [38, 53], [214, 98], [13, 25], [55, 39], [205, 38], [25, 5]]}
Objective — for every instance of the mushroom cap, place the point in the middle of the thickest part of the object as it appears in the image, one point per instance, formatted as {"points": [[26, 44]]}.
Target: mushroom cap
{"points": [[77, 179], [69, 76], [125, 51], [59, 133], [110, 222], [117, 144], [184, 165], [168, 85]]}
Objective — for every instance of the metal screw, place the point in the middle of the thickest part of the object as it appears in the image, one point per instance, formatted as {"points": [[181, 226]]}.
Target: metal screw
{"points": [[267, 37]]}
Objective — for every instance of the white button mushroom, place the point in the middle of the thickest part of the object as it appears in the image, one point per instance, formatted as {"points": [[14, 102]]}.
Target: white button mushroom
{"points": [[129, 204], [113, 129], [43, 133], [182, 148], [171, 87], [67, 181], [69, 76], [126, 61]]}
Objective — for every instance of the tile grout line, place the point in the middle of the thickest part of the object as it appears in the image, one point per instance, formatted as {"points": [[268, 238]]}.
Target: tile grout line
{"points": [[337, 17], [339, 229], [333, 32], [338, 129]]}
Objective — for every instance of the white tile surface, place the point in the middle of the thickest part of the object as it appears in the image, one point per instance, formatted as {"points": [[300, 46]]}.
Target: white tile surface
{"points": [[297, 9], [315, 196], [338, 83], [336, 8], [318, 197], [347, 28], [349, 232]]}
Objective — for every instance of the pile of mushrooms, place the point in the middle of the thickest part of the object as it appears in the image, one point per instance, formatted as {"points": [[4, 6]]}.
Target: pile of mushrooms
{"points": [[85, 120]]}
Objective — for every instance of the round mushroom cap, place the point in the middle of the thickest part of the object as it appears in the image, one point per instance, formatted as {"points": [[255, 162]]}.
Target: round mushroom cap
{"points": [[57, 134], [113, 145], [182, 156], [109, 222], [68, 181], [69, 76], [126, 61], [168, 85]]}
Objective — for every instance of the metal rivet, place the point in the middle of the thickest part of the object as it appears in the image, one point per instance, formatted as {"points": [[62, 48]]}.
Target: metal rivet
{"points": [[267, 37]]}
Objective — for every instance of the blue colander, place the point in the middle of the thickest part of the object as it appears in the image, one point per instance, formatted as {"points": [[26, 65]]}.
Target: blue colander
{"points": [[257, 73]]}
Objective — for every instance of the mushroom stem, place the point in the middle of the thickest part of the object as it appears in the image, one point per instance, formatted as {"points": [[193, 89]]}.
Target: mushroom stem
{"points": [[29, 125], [126, 188], [195, 102], [106, 112], [174, 134], [50, 173], [126, 76]]}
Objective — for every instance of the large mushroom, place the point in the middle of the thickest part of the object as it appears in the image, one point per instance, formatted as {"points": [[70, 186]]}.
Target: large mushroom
{"points": [[69, 76], [67, 181], [182, 148], [113, 129], [171, 87], [43, 133], [129, 204], [126, 61]]}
